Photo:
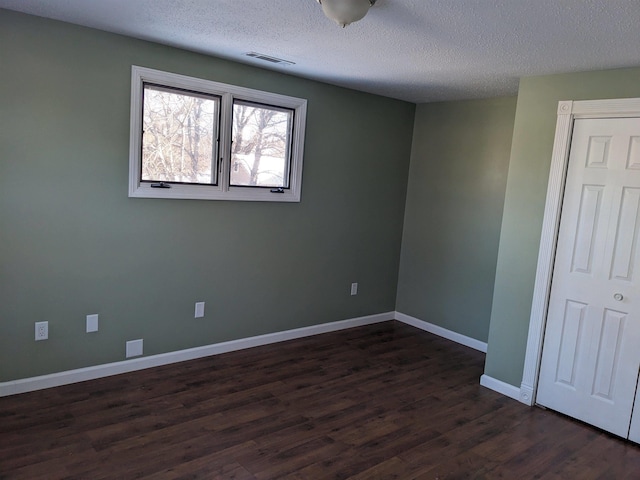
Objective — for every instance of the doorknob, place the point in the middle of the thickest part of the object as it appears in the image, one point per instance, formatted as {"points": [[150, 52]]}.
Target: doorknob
{"points": [[618, 296]]}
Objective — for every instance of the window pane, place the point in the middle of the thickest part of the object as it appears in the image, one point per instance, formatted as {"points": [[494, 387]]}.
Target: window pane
{"points": [[261, 145], [179, 136]]}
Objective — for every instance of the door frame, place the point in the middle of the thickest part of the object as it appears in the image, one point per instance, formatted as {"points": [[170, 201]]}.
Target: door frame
{"points": [[568, 111]]}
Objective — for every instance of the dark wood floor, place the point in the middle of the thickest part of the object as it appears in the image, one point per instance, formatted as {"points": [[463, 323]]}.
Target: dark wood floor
{"points": [[377, 402]]}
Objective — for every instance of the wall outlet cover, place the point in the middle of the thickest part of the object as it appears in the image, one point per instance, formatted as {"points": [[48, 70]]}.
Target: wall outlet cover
{"points": [[134, 348], [354, 288], [42, 331], [199, 310]]}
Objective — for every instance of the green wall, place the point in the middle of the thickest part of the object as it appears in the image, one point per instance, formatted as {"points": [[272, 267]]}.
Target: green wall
{"points": [[455, 196], [532, 146], [72, 243]]}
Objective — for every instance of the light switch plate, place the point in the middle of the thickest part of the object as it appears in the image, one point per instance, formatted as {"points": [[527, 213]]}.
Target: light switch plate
{"points": [[199, 310], [92, 323]]}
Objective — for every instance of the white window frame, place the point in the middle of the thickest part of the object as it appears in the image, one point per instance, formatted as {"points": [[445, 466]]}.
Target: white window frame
{"points": [[227, 93]]}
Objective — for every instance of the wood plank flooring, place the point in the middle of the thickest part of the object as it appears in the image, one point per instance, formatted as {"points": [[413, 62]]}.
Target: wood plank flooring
{"points": [[385, 401]]}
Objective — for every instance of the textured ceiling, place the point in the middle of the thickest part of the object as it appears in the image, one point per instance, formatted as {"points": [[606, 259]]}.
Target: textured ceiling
{"points": [[415, 50]]}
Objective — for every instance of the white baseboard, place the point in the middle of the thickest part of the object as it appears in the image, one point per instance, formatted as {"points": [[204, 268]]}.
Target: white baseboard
{"points": [[500, 387], [442, 332], [526, 394], [90, 373]]}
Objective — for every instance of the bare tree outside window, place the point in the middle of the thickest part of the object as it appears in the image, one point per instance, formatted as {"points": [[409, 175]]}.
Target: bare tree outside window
{"points": [[260, 149], [179, 136]]}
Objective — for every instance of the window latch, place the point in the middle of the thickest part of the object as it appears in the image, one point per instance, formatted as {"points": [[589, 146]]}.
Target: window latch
{"points": [[160, 185], [277, 190]]}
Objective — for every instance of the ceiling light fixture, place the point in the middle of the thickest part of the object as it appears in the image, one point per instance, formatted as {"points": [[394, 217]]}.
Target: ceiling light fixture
{"points": [[344, 12]]}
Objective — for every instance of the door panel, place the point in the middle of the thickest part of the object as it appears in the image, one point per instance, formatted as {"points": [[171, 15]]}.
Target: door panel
{"points": [[586, 230], [626, 236], [572, 331], [591, 350], [611, 334], [634, 153]]}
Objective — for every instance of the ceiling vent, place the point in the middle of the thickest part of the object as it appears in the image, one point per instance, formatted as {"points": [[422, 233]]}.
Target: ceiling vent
{"points": [[267, 58]]}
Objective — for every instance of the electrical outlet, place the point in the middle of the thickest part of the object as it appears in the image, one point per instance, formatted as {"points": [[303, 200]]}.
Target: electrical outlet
{"points": [[354, 289], [199, 310], [92, 323], [42, 331], [134, 348]]}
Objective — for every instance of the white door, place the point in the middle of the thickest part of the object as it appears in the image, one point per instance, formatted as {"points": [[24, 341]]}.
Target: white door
{"points": [[591, 350]]}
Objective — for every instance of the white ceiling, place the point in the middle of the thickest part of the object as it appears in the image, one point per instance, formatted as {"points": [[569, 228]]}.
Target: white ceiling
{"points": [[415, 50]]}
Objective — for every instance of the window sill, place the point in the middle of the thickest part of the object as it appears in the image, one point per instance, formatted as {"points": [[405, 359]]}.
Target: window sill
{"points": [[205, 192]]}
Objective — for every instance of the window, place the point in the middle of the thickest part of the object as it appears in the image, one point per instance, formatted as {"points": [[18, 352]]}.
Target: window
{"points": [[179, 136], [260, 145], [198, 139]]}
